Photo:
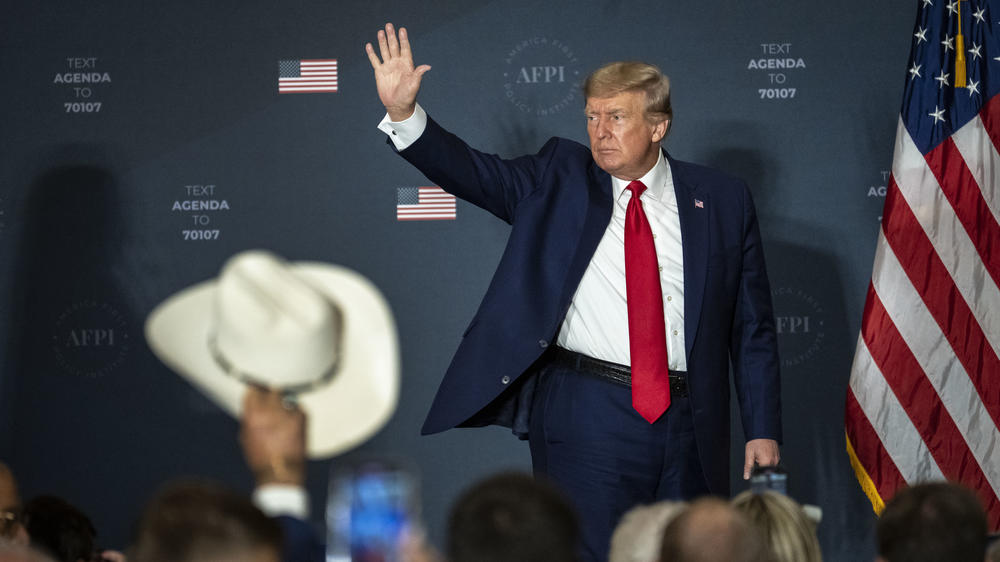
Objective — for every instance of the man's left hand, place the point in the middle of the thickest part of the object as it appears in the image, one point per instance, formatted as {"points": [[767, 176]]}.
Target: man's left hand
{"points": [[764, 452]]}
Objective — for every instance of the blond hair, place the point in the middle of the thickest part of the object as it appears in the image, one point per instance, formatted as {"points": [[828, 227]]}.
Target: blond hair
{"points": [[618, 77], [789, 532], [639, 533]]}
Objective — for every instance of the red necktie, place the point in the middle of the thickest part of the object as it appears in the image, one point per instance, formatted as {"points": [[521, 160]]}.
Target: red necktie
{"points": [[647, 333]]}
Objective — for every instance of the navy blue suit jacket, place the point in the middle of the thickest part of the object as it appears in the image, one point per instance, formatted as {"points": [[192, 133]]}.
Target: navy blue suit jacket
{"points": [[559, 203]]}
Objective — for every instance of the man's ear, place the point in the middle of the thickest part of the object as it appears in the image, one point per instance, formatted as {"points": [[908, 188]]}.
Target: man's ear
{"points": [[660, 130]]}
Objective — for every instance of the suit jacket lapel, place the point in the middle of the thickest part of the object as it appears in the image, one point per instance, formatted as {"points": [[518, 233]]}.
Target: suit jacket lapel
{"points": [[596, 219], [694, 238], [695, 241]]}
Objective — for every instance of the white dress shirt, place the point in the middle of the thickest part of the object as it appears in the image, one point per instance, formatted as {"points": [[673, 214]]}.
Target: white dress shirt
{"points": [[404, 133], [596, 323]]}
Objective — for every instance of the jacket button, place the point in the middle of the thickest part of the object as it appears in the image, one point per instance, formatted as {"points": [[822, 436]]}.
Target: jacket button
{"points": [[505, 379], [543, 344]]}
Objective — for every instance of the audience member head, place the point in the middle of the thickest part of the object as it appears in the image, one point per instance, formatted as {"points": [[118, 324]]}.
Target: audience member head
{"points": [[11, 552], [711, 530], [789, 533], [8, 489], [201, 522], [932, 522], [993, 552], [59, 529], [638, 536], [11, 528], [512, 517]]}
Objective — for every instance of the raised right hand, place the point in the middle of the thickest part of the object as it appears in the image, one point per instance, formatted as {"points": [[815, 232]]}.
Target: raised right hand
{"points": [[396, 79], [273, 436]]}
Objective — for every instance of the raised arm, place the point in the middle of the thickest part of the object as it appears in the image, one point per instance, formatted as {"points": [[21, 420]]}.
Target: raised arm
{"points": [[395, 77]]}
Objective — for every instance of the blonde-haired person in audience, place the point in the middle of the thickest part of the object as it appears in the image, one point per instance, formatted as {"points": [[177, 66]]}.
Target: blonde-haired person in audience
{"points": [[993, 552], [790, 533], [639, 533]]}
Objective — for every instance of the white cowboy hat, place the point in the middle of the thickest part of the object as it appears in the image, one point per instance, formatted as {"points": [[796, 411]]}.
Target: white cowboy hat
{"points": [[320, 333]]}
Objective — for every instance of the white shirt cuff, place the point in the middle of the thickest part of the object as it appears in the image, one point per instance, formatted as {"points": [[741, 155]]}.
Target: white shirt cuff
{"points": [[406, 132], [282, 499]]}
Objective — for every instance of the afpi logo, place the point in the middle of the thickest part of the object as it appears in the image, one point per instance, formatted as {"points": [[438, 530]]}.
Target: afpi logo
{"points": [[90, 339], [542, 76], [800, 321]]}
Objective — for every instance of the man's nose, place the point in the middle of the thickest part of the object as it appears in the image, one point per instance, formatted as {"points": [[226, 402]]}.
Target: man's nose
{"points": [[603, 129]]}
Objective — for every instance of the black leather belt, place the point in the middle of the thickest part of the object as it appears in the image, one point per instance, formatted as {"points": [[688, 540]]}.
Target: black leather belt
{"points": [[613, 372]]}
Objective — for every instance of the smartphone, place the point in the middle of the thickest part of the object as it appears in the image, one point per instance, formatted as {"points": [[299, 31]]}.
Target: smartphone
{"points": [[371, 506], [769, 478]]}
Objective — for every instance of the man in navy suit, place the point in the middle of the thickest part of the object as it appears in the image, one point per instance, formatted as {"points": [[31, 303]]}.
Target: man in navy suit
{"points": [[560, 350]]}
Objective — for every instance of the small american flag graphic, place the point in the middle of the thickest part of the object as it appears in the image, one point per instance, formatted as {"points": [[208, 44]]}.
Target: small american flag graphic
{"points": [[424, 204], [307, 76], [699, 203]]}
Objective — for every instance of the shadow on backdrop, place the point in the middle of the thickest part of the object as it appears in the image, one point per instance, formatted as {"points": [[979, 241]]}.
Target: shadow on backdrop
{"points": [[72, 332], [814, 345], [78, 394]]}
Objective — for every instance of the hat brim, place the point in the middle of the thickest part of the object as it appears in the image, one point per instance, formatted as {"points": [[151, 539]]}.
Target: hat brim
{"points": [[342, 414]]}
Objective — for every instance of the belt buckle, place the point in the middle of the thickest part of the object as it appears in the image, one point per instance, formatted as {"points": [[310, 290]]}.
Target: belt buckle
{"points": [[678, 386]]}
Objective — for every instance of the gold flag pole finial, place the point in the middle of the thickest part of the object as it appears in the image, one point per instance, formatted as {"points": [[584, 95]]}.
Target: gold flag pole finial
{"points": [[960, 78]]}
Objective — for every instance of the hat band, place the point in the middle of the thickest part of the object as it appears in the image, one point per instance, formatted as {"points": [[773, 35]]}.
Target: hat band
{"points": [[230, 369]]}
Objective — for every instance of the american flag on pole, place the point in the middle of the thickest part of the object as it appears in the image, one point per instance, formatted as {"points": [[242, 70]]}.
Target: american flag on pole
{"points": [[306, 76], [424, 204], [924, 395]]}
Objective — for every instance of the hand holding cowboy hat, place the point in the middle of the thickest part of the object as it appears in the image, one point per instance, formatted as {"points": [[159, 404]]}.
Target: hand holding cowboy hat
{"points": [[321, 335]]}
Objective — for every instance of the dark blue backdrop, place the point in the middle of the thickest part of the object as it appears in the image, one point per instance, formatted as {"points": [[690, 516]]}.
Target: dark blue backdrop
{"points": [[111, 110]]}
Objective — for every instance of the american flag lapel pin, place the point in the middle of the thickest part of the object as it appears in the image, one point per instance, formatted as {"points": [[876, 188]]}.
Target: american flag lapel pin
{"points": [[699, 203]]}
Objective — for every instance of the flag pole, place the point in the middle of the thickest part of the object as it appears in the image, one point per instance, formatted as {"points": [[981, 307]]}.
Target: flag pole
{"points": [[960, 78]]}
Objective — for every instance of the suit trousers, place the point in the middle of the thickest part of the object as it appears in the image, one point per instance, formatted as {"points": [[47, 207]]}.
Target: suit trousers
{"points": [[586, 438]]}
